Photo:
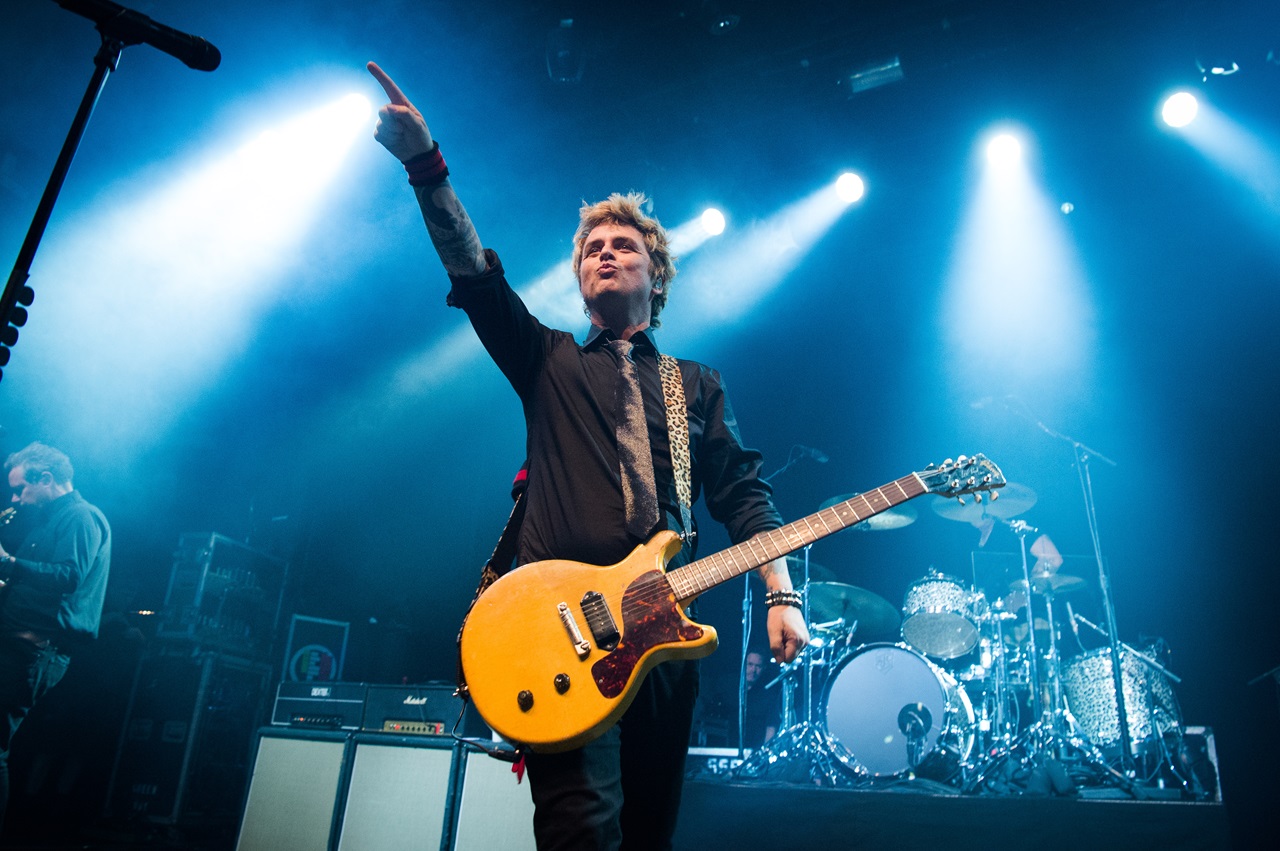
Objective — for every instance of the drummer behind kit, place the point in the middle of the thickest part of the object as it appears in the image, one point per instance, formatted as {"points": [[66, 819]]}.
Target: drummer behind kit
{"points": [[976, 691]]}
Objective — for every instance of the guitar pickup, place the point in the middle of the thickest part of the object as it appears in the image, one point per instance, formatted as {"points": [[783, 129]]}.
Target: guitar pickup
{"points": [[580, 645], [604, 629]]}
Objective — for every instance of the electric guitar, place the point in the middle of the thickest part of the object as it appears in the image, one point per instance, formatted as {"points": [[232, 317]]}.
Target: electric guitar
{"points": [[554, 651]]}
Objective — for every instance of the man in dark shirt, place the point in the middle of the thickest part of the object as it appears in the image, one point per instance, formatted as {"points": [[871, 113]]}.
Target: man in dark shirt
{"points": [[54, 585], [763, 708], [623, 788]]}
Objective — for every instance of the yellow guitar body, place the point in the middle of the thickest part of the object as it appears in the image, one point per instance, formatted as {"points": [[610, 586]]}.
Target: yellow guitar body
{"points": [[554, 651]]}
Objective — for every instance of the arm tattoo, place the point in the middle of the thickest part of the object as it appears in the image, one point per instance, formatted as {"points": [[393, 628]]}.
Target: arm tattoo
{"points": [[451, 231]]}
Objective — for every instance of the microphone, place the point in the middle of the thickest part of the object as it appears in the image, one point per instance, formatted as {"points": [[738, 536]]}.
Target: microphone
{"points": [[816, 454], [1020, 526], [1071, 616], [133, 27]]}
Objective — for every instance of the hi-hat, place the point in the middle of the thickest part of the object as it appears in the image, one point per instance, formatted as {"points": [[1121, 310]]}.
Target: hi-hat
{"points": [[1049, 583], [875, 618], [890, 518], [1013, 500]]}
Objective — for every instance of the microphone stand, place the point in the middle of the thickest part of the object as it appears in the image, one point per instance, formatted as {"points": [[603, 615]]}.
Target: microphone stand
{"points": [[1083, 454], [16, 290]]}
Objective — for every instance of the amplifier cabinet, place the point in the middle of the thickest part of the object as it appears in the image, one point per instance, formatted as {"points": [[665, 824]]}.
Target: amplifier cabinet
{"points": [[319, 790]]}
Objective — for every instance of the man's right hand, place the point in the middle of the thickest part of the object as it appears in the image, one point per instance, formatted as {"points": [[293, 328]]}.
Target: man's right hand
{"points": [[401, 128]]}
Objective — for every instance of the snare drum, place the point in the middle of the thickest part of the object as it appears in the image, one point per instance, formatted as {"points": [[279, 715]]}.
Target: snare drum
{"points": [[938, 618], [893, 713]]}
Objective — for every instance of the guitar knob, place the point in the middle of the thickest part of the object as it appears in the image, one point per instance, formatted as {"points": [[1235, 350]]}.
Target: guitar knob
{"points": [[525, 700], [562, 683]]}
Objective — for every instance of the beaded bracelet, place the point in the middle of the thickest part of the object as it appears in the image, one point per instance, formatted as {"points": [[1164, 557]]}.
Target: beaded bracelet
{"points": [[427, 168], [784, 598]]}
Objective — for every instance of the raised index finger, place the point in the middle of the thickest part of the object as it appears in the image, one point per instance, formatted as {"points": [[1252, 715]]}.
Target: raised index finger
{"points": [[388, 85]]}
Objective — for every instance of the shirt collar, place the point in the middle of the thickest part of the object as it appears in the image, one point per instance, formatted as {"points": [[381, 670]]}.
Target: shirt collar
{"points": [[598, 336]]}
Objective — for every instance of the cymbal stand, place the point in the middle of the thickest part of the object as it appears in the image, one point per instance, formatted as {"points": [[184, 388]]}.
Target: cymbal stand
{"points": [[1000, 728], [1056, 736], [802, 752]]}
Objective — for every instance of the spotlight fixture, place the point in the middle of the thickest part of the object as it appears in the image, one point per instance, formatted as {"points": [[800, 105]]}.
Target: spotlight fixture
{"points": [[713, 221], [872, 75], [1004, 150], [850, 187], [1179, 109]]}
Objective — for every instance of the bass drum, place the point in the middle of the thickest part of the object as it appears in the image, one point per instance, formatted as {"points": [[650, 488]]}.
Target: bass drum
{"points": [[896, 714]]}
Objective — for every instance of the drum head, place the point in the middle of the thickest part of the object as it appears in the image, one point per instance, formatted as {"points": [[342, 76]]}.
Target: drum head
{"points": [[938, 617], [893, 710]]}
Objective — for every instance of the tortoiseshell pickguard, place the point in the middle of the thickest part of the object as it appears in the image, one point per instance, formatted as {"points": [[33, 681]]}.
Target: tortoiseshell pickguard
{"points": [[650, 616]]}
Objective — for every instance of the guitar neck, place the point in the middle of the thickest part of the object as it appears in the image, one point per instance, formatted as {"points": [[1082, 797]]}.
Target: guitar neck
{"points": [[705, 573]]}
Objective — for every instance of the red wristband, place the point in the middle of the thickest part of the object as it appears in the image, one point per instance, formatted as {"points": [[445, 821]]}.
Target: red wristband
{"points": [[427, 169]]}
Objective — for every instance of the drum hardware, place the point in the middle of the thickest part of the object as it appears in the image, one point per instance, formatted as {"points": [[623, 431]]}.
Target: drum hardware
{"points": [[1083, 454], [802, 750], [1056, 737]]}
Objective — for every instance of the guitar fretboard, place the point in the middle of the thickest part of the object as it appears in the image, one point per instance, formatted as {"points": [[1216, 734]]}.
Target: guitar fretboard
{"points": [[705, 573]]}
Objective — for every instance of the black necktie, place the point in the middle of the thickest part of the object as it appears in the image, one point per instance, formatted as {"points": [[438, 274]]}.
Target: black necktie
{"points": [[635, 458]]}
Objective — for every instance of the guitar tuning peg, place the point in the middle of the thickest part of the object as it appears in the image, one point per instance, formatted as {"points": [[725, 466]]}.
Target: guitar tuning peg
{"points": [[960, 500], [977, 497], [931, 467], [995, 495], [962, 459], [947, 463]]}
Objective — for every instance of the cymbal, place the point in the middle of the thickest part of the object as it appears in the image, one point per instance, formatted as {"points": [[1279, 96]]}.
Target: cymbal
{"points": [[1012, 500], [875, 617], [890, 518], [817, 573], [1050, 583]]}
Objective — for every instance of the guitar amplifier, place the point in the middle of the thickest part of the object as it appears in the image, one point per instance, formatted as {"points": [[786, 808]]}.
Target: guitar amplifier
{"points": [[326, 706], [421, 710]]}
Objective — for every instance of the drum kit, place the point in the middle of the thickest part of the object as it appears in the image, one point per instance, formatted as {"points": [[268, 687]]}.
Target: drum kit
{"points": [[963, 684]]}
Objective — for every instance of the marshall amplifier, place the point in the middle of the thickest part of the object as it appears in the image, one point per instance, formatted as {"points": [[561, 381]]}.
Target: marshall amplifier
{"points": [[325, 706], [424, 710]]}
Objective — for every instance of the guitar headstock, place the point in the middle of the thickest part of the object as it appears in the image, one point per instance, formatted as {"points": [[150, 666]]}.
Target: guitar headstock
{"points": [[962, 477]]}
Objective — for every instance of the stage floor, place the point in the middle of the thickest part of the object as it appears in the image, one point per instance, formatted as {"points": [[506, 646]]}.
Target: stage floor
{"points": [[734, 814]]}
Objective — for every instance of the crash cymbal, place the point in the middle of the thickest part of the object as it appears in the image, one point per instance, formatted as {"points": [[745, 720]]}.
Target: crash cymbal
{"points": [[1050, 583], [873, 617], [1010, 501], [890, 518]]}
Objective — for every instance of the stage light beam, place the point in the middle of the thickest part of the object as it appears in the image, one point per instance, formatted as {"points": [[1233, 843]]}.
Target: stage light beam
{"points": [[152, 294]]}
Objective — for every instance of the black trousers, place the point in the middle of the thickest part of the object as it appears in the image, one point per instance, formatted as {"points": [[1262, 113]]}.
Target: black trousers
{"points": [[622, 790], [26, 672]]}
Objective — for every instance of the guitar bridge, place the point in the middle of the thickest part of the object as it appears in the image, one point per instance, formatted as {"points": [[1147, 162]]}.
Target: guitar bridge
{"points": [[580, 645]]}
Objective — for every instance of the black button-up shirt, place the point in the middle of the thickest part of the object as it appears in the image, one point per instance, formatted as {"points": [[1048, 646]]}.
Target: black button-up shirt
{"points": [[575, 506], [59, 580]]}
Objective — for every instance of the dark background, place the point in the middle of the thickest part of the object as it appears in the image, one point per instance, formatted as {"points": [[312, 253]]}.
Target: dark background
{"points": [[269, 409]]}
